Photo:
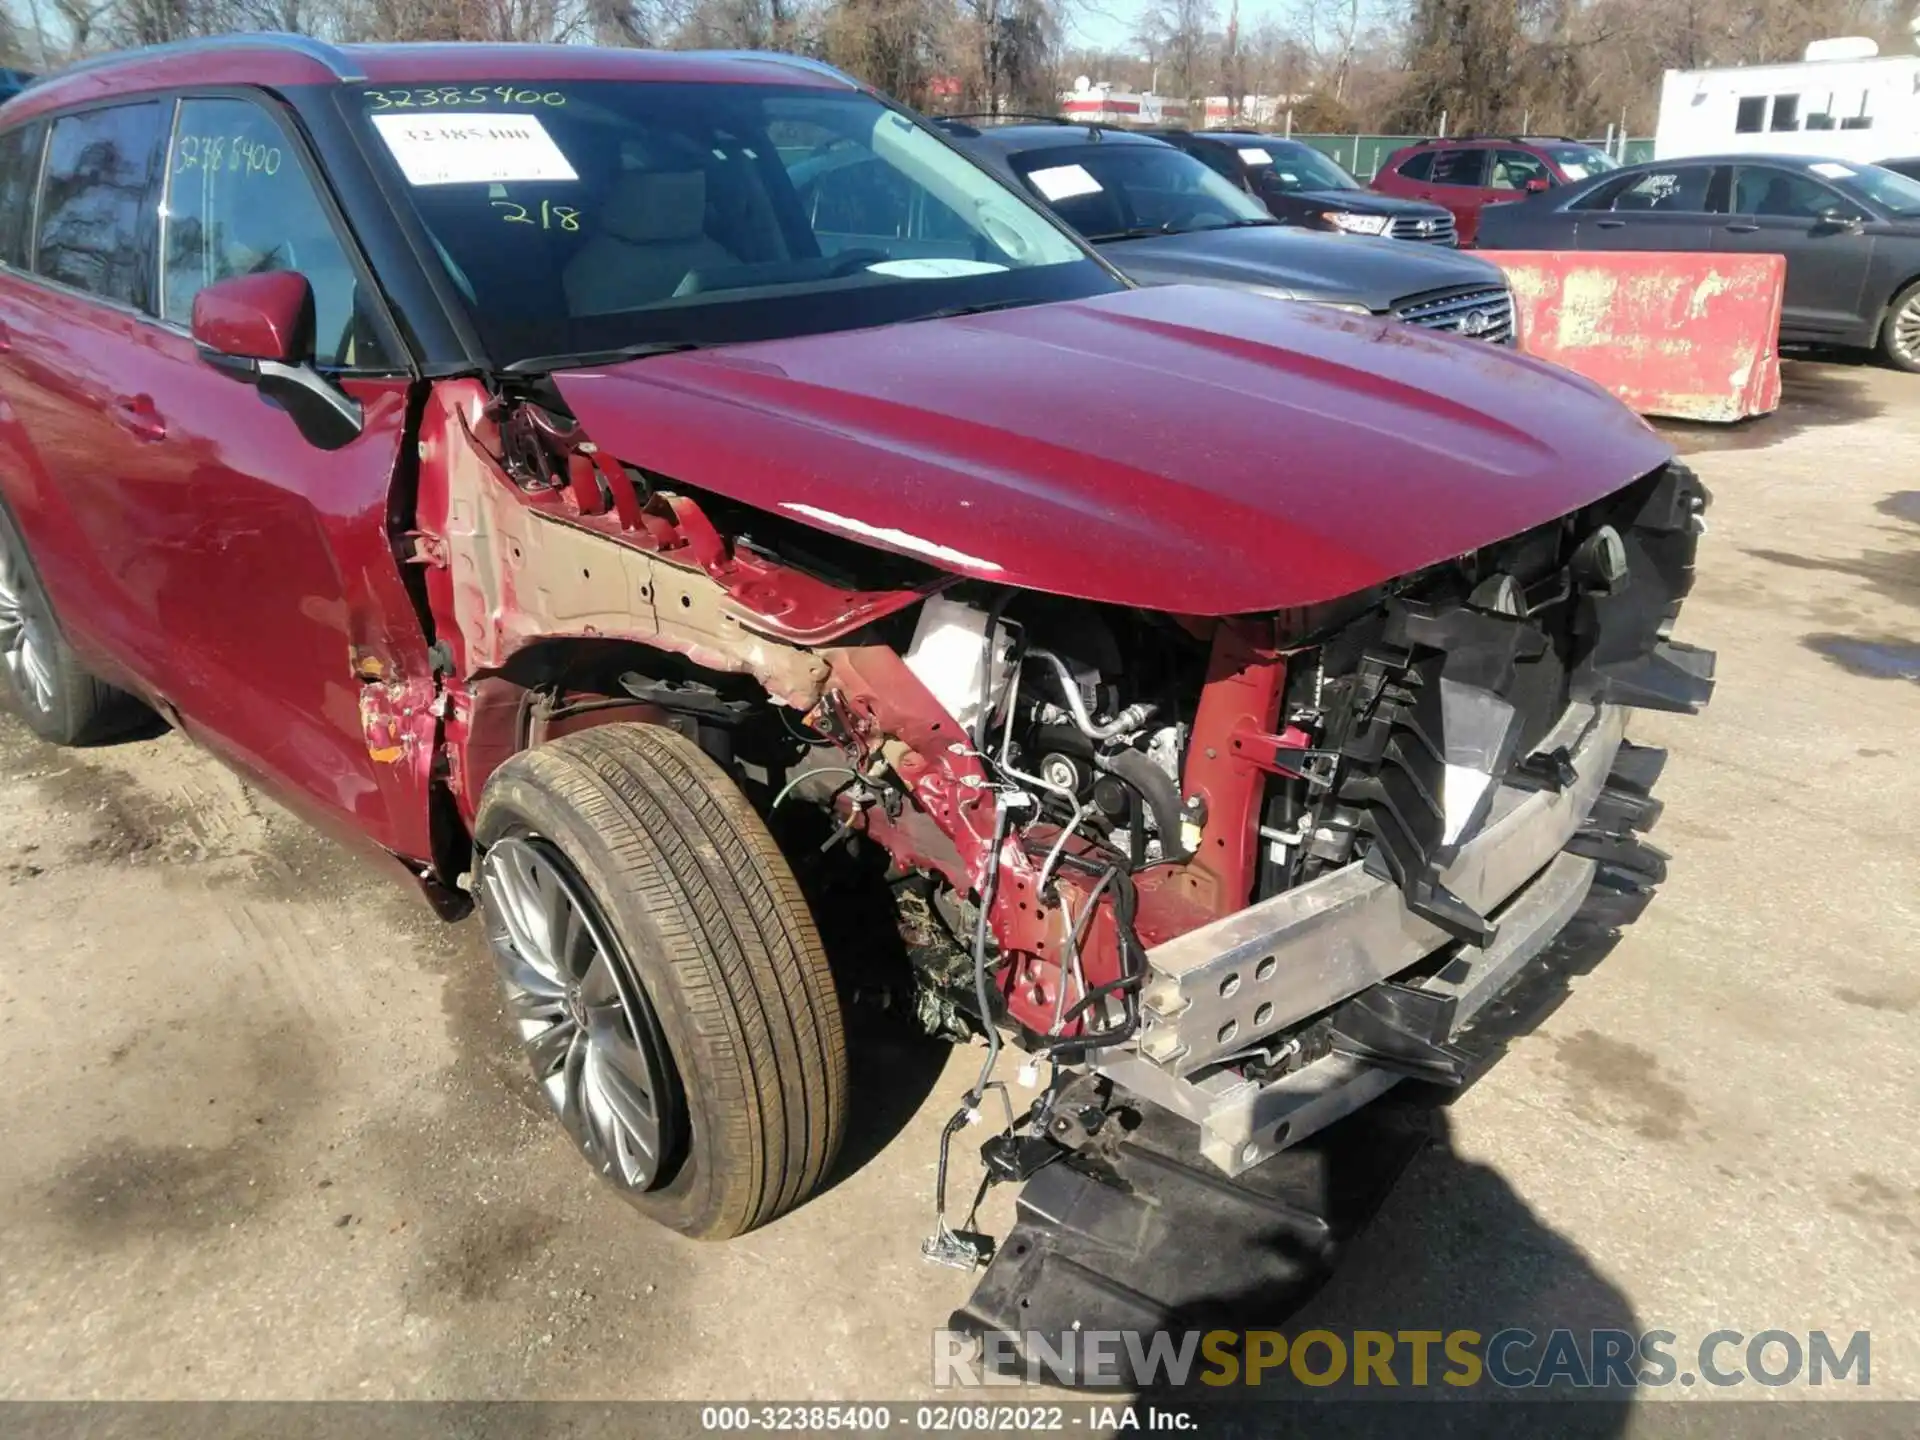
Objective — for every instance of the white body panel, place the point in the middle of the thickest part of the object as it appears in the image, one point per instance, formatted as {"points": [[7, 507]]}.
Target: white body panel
{"points": [[1873, 107]]}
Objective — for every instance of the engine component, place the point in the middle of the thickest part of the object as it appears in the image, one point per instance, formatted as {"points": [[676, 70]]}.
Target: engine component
{"points": [[1125, 723], [1161, 793], [951, 656], [1066, 772]]}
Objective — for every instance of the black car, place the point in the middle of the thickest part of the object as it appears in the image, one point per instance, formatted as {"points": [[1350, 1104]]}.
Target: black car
{"points": [[1850, 232], [1301, 186], [1165, 219], [1909, 167]]}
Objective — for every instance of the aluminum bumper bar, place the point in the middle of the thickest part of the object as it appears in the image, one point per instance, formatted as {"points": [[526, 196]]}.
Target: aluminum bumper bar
{"points": [[1299, 954], [1214, 991]]}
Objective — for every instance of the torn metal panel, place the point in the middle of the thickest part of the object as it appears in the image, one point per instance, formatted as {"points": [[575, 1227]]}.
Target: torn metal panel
{"points": [[515, 572]]}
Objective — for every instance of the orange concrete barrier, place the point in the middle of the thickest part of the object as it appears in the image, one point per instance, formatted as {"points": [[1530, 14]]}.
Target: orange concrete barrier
{"points": [[1690, 337]]}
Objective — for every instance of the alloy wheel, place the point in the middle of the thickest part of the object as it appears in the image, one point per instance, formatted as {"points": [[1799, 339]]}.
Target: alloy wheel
{"points": [[581, 1015], [1906, 331], [25, 653]]}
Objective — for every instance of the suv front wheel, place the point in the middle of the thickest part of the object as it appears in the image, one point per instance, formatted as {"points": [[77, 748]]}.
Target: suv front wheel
{"points": [[664, 976]]}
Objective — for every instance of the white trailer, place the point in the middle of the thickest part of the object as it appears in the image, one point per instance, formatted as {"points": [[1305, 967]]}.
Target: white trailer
{"points": [[1845, 100]]}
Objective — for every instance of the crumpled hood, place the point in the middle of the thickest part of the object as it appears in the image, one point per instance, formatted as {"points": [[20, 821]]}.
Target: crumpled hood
{"points": [[1374, 272], [1178, 449]]}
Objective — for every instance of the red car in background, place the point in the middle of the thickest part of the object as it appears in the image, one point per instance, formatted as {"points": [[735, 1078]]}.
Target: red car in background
{"points": [[1470, 172], [493, 452]]}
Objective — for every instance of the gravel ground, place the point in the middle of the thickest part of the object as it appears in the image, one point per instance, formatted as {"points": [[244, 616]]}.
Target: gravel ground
{"points": [[265, 1135]]}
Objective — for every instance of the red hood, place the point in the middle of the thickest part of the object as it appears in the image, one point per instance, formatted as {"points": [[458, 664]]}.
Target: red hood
{"points": [[1177, 448]]}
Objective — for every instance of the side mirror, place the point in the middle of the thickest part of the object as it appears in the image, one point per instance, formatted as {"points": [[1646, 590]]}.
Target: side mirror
{"points": [[256, 317], [258, 329], [1539, 185], [1837, 217]]}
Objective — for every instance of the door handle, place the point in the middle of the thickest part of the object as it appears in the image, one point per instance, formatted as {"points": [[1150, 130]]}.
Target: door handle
{"points": [[1743, 229], [1610, 224], [135, 414]]}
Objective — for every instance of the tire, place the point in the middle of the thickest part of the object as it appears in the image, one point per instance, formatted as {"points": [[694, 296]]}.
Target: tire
{"points": [[716, 956], [50, 689], [1900, 332]]}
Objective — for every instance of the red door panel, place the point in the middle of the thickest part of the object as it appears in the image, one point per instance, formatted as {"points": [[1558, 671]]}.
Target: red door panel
{"points": [[57, 438], [267, 563]]}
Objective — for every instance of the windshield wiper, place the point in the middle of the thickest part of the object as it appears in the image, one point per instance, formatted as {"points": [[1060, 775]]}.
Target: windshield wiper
{"points": [[978, 308], [1171, 227], [576, 359]]}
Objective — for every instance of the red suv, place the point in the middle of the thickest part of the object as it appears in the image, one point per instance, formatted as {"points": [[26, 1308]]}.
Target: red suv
{"points": [[1473, 171], [750, 594]]}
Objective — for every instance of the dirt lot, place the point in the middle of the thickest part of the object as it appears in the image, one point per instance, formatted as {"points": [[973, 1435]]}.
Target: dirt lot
{"points": [[264, 1134]]}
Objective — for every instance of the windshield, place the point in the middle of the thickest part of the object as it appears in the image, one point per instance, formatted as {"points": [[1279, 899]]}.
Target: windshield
{"points": [[1578, 162], [1891, 191], [581, 217], [1288, 168], [1113, 191]]}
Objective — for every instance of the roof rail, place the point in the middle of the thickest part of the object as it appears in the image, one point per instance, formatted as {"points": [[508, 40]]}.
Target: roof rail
{"points": [[781, 57], [332, 56], [1026, 117]]}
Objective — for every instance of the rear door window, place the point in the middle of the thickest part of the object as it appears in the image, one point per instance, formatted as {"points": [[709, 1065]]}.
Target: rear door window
{"points": [[19, 172], [1512, 169], [1465, 167], [239, 202], [93, 233], [1681, 190]]}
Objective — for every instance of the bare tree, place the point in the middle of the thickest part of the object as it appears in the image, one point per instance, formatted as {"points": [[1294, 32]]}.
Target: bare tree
{"points": [[1175, 34], [1572, 65]]}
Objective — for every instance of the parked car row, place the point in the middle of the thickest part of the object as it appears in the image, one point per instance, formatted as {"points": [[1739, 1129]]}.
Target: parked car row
{"points": [[1165, 218], [1850, 234], [1302, 186], [683, 505]]}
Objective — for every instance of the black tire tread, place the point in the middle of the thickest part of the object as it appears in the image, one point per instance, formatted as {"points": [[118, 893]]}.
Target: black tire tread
{"points": [[1887, 351], [750, 976]]}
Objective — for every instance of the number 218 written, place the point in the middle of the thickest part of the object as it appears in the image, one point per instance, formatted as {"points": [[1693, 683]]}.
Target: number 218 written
{"points": [[548, 217]]}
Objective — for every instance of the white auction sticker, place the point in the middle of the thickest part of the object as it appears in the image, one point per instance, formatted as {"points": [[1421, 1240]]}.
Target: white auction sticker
{"points": [[1827, 170], [472, 149], [1061, 182], [1256, 157]]}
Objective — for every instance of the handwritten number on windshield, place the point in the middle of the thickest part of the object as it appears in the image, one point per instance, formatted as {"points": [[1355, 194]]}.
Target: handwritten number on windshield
{"points": [[548, 217], [442, 97]]}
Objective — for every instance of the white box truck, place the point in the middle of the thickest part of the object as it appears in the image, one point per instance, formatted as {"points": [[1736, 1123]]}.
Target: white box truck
{"points": [[1845, 100]]}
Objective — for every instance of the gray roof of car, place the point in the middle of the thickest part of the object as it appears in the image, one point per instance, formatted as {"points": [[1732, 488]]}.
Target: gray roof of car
{"points": [[1799, 162], [1012, 139]]}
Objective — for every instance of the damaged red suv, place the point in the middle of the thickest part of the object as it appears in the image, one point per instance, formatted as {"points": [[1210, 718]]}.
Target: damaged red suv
{"points": [[499, 456]]}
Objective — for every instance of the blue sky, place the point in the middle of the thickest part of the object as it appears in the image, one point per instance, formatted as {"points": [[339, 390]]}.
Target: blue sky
{"points": [[1104, 24], [1107, 24]]}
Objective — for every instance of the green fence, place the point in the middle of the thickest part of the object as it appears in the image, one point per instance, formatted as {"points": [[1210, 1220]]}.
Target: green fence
{"points": [[1363, 155]]}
